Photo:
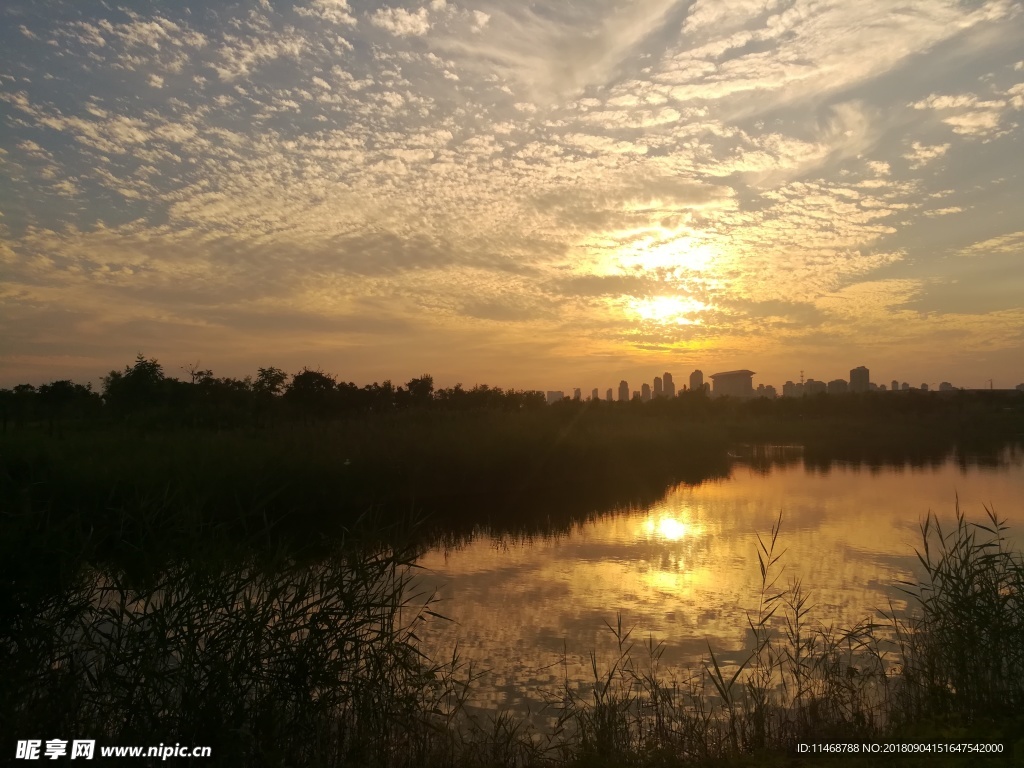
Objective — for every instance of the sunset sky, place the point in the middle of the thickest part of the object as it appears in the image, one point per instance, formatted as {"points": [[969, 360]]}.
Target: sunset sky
{"points": [[542, 195]]}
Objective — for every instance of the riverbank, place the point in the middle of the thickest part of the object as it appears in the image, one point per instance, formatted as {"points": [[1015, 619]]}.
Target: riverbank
{"points": [[461, 469]]}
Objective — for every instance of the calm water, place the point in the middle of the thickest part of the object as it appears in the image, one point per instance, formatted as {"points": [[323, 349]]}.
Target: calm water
{"points": [[684, 571]]}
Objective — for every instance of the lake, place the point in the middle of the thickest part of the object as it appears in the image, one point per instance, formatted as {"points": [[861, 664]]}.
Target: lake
{"points": [[528, 611]]}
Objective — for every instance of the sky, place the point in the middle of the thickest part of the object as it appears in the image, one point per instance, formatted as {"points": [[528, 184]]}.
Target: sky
{"points": [[539, 195]]}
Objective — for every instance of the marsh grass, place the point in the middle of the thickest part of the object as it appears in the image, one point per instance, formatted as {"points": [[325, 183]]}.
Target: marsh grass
{"points": [[963, 651], [298, 665], [510, 471]]}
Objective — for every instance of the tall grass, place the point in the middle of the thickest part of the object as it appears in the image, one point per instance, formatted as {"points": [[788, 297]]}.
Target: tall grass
{"points": [[293, 664], [963, 652]]}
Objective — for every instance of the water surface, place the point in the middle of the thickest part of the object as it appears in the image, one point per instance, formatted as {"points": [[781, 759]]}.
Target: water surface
{"points": [[684, 571]]}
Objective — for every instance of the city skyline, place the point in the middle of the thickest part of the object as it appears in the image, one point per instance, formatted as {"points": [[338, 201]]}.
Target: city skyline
{"points": [[513, 194], [859, 380]]}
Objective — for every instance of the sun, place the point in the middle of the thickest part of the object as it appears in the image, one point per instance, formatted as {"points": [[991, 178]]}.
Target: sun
{"points": [[669, 310]]}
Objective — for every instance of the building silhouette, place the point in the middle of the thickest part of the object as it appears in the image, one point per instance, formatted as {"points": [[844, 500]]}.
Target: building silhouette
{"points": [[696, 381], [658, 390], [860, 379], [555, 395], [733, 384], [669, 386], [608, 395], [623, 391], [838, 387], [814, 387], [645, 392], [594, 395]]}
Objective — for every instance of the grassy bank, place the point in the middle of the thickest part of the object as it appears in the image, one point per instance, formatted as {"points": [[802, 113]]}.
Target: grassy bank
{"points": [[513, 470], [489, 468]]}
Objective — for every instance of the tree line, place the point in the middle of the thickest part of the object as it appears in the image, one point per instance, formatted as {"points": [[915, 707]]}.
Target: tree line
{"points": [[144, 391]]}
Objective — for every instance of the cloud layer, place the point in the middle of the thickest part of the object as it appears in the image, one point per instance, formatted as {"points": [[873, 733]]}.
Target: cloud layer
{"points": [[540, 195]]}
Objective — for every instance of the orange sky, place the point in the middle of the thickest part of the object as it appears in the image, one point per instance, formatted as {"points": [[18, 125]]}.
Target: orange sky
{"points": [[544, 195]]}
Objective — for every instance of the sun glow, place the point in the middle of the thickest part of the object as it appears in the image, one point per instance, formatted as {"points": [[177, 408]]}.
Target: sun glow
{"points": [[667, 528], [662, 250], [677, 310]]}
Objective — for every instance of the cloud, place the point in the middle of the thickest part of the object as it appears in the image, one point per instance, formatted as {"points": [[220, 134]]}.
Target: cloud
{"points": [[333, 11], [1008, 243], [920, 154], [401, 22], [557, 54], [966, 114], [545, 163]]}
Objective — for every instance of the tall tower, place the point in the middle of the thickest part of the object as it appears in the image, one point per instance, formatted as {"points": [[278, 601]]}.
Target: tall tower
{"points": [[696, 381], [669, 385], [860, 379], [623, 391], [658, 391]]}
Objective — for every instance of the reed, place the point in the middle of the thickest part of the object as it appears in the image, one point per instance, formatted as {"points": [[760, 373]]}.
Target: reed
{"points": [[281, 663]]}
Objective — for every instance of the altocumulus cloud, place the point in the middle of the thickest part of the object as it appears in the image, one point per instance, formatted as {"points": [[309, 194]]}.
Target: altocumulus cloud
{"points": [[499, 187]]}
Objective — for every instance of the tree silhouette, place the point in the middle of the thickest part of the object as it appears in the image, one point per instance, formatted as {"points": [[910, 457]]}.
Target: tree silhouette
{"points": [[270, 381], [312, 393], [421, 390], [138, 387], [60, 399]]}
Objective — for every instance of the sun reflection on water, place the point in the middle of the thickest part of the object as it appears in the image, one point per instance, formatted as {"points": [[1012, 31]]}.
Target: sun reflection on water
{"points": [[669, 528]]}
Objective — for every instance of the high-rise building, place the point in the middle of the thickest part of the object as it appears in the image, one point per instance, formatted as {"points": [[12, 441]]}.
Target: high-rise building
{"points": [[789, 389], [576, 394], [594, 396], [555, 396], [924, 387], [904, 387], [895, 386], [658, 391], [608, 395], [623, 391], [669, 386], [645, 392], [860, 379], [733, 384], [945, 386], [815, 387], [696, 381], [838, 387]]}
